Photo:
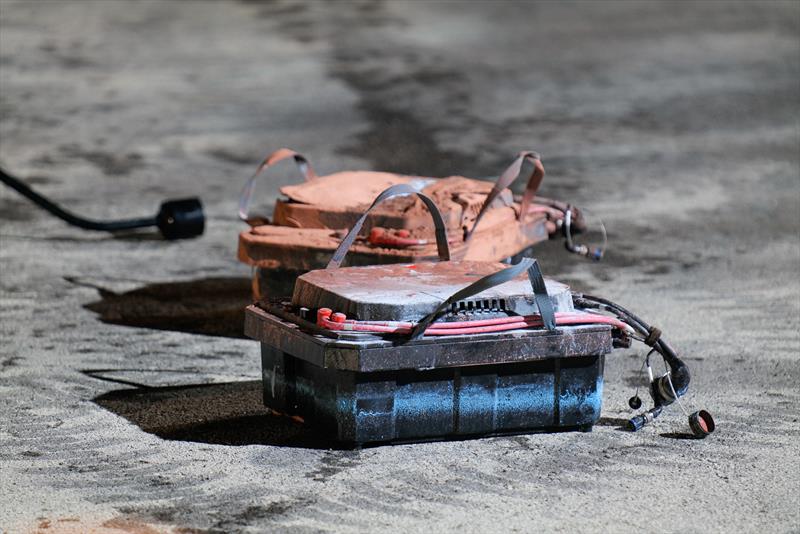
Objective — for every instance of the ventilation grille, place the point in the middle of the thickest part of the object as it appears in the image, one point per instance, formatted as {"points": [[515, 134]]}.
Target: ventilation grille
{"points": [[479, 305]]}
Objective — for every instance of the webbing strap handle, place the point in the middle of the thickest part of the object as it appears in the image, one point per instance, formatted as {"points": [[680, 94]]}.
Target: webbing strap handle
{"points": [[442, 245], [489, 281], [250, 187], [535, 172]]}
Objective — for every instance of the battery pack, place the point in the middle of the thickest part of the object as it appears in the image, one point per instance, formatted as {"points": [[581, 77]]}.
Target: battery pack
{"points": [[352, 353], [372, 390]]}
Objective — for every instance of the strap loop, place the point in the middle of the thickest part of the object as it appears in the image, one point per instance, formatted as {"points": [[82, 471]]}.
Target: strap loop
{"points": [[535, 172], [247, 192], [487, 282], [396, 190]]}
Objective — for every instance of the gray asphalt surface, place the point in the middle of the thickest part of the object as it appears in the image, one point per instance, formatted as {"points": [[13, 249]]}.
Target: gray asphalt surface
{"points": [[677, 123]]}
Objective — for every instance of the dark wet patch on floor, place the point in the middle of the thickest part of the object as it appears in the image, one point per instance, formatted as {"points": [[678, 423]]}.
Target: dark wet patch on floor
{"points": [[238, 515], [397, 142], [397, 139], [41, 180], [697, 110], [12, 209], [71, 61], [210, 306], [658, 270], [276, 9], [334, 462], [298, 22], [258, 512], [635, 379], [109, 163], [8, 363], [45, 160], [228, 155], [67, 57]]}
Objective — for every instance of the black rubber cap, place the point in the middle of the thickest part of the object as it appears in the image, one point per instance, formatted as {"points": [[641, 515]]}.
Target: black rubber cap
{"points": [[635, 402], [701, 423], [181, 219]]}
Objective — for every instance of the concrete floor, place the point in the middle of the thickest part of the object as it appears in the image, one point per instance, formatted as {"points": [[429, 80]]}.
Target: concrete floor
{"points": [[124, 406]]}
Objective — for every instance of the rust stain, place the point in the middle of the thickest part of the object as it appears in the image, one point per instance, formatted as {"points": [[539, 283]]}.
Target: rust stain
{"points": [[115, 525], [132, 526]]}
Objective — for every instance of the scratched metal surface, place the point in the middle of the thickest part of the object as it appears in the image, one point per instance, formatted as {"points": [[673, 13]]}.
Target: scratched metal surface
{"points": [[409, 292], [675, 122]]}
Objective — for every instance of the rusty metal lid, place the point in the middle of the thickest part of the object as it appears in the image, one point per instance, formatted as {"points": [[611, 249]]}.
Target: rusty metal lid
{"points": [[349, 189]]}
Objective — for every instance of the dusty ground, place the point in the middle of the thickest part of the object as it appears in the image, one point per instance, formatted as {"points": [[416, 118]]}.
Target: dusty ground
{"points": [[677, 123]]}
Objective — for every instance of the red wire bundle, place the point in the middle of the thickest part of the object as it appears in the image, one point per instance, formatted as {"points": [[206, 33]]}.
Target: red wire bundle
{"points": [[337, 321]]}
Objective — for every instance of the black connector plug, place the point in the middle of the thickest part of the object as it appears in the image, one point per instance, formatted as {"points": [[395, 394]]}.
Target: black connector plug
{"points": [[176, 219], [637, 422], [181, 219]]}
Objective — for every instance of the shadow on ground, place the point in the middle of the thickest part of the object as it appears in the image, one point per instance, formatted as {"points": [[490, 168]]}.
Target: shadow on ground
{"points": [[617, 422], [220, 414], [230, 413], [209, 306]]}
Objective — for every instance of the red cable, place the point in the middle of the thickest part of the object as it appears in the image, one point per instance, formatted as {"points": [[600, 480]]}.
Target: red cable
{"points": [[465, 327]]}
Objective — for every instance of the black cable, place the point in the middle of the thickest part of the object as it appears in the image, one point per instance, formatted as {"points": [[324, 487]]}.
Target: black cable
{"points": [[71, 218], [680, 372], [176, 219], [701, 422], [626, 314]]}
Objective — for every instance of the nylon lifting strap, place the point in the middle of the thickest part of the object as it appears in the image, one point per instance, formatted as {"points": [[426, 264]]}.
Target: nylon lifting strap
{"points": [[527, 164], [250, 187], [442, 245], [487, 282]]}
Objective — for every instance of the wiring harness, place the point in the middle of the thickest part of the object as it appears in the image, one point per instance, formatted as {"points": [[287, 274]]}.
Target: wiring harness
{"points": [[338, 321]]}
